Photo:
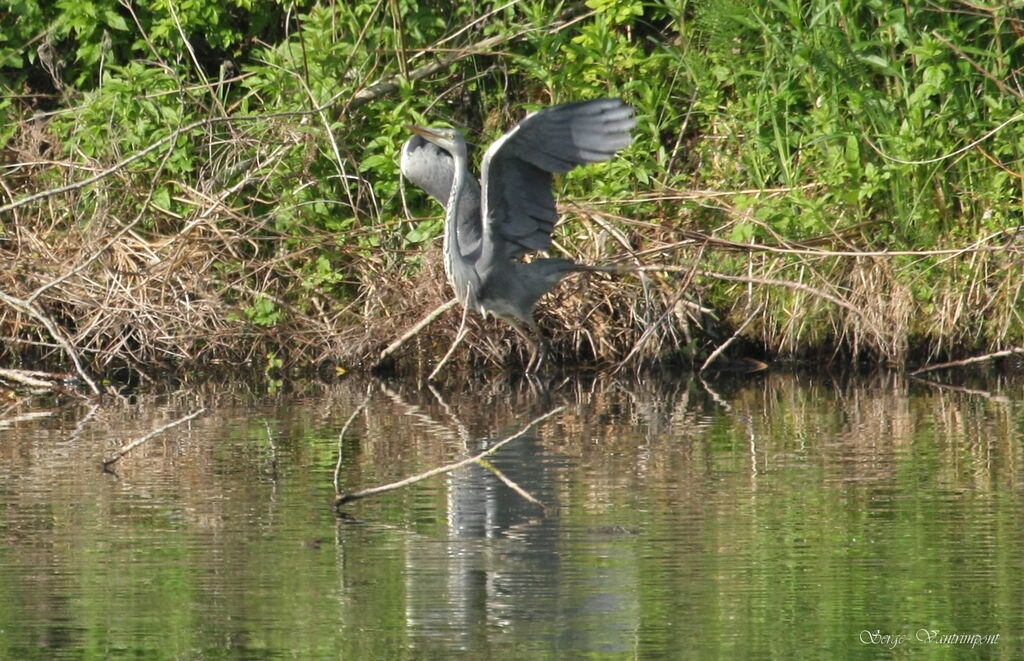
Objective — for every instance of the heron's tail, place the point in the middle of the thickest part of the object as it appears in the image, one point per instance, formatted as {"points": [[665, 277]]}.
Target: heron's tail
{"points": [[617, 269], [553, 269]]}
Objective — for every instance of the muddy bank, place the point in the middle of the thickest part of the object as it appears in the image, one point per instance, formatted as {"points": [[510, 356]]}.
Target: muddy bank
{"points": [[137, 310]]}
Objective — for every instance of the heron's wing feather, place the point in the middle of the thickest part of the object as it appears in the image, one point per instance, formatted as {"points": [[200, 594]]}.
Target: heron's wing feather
{"points": [[519, 207], [433, 169]]}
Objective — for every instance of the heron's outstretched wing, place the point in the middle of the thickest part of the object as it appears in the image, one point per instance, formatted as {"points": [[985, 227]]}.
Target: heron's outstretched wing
{"points": [[519, 207], [433, 169]]}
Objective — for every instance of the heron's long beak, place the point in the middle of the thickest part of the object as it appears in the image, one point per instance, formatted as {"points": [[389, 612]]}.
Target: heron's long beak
{"points": [[433, 136], [429, 134]]}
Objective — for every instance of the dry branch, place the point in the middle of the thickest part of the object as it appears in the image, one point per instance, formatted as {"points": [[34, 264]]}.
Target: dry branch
{"points": [[508, 482], [789, 284], [969, 361], [117, 167], [724, 345], [343, 498], [55, 333], [987, 394], [38, 381], [984, 244], [420, 325], [27, 378], [30, 415]]}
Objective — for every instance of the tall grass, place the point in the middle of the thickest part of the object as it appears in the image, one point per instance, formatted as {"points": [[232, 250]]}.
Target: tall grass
{"points": [[885, 128]]}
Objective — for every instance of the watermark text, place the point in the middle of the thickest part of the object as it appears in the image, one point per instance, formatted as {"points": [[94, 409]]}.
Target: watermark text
{"points": [[892, 640]]}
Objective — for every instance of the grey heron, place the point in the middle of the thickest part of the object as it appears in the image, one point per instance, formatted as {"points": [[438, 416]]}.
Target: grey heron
{"points": [[491, 225]]}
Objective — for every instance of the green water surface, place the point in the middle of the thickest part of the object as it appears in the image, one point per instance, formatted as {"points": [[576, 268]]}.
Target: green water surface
{"points": [[768, 517]]}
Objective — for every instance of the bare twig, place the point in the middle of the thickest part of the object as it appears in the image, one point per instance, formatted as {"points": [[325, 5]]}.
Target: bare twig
{"points": [[1002, 399], [718, 399], [54, 332], [667, 268], [125, 229], [459, 336], [694, 238], [949, 155], [26, 378], [420, 325], [83, 421], [509, 483], [717, 352], [341, 438], [665, 315], [107, 463], [344, 498], [117, 167], [968, 361], [1003, 87], [799, 286], [360, 98]]}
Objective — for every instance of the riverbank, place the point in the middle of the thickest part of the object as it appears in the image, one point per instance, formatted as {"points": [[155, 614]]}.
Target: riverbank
{"points": [[811, 184]]}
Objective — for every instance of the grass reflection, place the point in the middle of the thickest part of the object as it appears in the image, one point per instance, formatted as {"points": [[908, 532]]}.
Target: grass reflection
{"points": [[785, 516]]}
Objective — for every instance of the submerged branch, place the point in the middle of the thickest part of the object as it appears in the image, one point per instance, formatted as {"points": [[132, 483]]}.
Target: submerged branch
{"points": [[968, 361], [341, 498], [341, 437], [1002, 399], [107, 463], [510, 483]]}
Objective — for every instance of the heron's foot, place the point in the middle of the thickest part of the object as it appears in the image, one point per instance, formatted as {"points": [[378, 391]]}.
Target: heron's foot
{"points": [[534, 342], [537, 354]]}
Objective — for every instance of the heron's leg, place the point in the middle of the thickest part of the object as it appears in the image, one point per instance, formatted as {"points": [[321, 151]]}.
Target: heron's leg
{"points": [[458, 338], [534, 341], [540, 348]]}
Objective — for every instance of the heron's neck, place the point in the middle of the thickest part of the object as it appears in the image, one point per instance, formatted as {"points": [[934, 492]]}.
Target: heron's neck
{"points": [[452, 249]]}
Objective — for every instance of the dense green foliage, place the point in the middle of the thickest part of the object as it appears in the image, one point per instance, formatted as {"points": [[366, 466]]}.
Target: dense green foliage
{"points": [[803, 126]]}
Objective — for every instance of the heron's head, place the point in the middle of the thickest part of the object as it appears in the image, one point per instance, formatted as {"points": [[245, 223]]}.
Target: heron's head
{"points": [[448, 139]]}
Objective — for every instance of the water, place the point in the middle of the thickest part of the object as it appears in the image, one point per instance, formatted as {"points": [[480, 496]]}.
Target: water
{"points": [[779, 516]]}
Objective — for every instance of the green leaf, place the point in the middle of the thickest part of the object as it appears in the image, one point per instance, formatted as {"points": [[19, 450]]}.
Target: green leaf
{"points": [[162, 198], [373, 162], [115, 20], [742, 233]]}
